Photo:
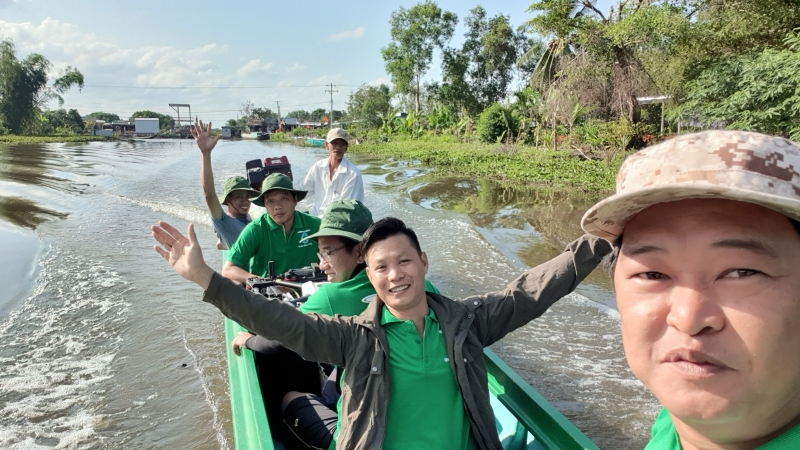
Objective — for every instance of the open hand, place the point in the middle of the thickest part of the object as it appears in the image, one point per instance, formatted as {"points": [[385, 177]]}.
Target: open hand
{"points": [[203, 137], [184, 255]]}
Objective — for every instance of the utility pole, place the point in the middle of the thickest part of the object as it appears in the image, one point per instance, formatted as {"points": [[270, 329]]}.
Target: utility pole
{"points": [[279, 110], [330, 120]]}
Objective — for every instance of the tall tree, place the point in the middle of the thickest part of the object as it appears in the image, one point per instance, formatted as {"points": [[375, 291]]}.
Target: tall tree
{"points": [[24, 89], [368, 104], [479, 73], [263, 114], [416, 32]]}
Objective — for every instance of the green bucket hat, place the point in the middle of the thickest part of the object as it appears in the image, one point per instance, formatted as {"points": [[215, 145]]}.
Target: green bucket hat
{"points": [[277, 181], [345, 218], [236, 184]]}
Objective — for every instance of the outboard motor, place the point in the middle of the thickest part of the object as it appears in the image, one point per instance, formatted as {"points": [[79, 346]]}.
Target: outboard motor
{"points": [[258, 170]]}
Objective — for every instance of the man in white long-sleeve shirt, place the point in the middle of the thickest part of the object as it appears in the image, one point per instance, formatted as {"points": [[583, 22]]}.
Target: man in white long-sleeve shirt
{"points": [[334, 178]]}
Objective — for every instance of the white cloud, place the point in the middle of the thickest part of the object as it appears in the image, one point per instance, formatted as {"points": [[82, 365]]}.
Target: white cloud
{"points": [[380, 81], [253, 67], [347, 35], [104, 62]]}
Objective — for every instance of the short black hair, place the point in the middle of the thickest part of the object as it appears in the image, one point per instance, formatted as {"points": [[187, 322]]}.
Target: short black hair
{"points": [[386, 228]]}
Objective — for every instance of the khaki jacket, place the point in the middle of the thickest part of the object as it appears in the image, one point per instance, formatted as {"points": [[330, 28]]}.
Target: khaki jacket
{"points": [[359, 343]]}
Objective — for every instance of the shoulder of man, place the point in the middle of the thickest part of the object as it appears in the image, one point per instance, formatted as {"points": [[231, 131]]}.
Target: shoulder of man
{"points": [[318, 302]]}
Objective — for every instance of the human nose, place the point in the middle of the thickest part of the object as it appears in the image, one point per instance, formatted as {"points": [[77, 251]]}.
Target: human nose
{"points": [[323, 263], [395, 274], [693, 311]]}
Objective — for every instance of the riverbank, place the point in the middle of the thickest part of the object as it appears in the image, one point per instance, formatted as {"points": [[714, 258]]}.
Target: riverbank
{"points": [[507, 163], [53, 139]]}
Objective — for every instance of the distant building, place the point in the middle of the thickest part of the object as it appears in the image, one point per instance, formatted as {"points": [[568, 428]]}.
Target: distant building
{"points": [[231, 132], [145, 126]]}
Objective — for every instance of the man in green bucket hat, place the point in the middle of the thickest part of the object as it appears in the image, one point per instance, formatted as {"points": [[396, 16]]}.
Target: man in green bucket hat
{"points": [[279, 236], [228, 223]]}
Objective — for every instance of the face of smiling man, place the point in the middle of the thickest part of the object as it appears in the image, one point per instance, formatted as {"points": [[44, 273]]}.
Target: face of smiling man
{"points": [[709, 296], [397, 272]]}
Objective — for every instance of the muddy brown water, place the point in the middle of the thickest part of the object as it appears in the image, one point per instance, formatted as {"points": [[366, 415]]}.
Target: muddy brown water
{"points": [[102, 346]]}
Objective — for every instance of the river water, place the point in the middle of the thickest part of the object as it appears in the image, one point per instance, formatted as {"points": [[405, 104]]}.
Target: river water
{"points": [[103, 346]]}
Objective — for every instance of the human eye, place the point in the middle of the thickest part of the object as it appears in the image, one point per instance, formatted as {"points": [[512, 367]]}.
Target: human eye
{"points": [[740, 273], [651, 276]]}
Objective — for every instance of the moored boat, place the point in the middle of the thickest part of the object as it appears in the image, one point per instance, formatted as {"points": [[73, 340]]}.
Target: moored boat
{"points": [[315, 142], [256, 135]]}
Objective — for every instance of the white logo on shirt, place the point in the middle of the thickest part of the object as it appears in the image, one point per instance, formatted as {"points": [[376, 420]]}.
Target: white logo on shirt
{"points": [[369, 298], [304, 235]]}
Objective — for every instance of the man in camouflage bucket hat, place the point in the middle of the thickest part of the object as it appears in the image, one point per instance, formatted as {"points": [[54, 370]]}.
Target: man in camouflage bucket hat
{"points": [[228, 223], [707, 277]]}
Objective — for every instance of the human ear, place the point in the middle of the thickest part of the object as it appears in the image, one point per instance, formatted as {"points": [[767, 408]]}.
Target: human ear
{"points": [[424, 259]]}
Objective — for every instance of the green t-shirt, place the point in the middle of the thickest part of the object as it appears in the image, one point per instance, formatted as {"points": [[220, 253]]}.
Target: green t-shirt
{"points": [[262, 241], [425, 396], [348, 298], [664, 436]]}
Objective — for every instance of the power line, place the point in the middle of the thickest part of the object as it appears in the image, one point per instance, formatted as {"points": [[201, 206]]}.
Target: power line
{"points": [[157, 86]]}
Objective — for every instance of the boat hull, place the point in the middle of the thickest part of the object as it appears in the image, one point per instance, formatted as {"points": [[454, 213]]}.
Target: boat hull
{"points": [[315, 142], [255, 136]]}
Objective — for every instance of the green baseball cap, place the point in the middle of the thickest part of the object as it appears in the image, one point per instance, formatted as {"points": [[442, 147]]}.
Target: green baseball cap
{"points": [[277, 181], [236, 184], [345, 218]]}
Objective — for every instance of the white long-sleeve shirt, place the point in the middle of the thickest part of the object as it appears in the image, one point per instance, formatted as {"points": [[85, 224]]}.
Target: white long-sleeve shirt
{"points": [[345, 185]]}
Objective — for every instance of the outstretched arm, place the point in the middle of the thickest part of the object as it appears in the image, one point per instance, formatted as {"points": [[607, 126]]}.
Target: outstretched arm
{"points": [[314, 337], [206, 143], [184, 255], [530, 295]]}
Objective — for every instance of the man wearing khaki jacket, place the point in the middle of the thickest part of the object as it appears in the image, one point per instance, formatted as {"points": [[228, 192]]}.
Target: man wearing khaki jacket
{"points": [[374, 347]]}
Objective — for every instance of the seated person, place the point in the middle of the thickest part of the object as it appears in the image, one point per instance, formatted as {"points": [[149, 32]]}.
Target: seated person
{"points": [[279, 236], [707, 277], [228, 223], [389, 388]]}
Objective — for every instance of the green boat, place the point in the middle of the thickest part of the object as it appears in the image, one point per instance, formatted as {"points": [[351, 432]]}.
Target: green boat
{"points": [[315, 142], [525, 420]]}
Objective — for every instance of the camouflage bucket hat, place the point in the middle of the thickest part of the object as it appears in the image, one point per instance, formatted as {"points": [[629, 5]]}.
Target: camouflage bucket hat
{"points": [[236, 184], [735, 165], [345, 218], [277, 181]]}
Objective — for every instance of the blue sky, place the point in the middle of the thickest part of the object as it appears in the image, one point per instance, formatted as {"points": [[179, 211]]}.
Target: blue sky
{"points": [[292, 47]]}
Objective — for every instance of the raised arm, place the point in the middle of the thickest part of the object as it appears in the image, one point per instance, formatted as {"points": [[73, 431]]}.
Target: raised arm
{"points": [[206, 143], [314, 337], [531, 294]]}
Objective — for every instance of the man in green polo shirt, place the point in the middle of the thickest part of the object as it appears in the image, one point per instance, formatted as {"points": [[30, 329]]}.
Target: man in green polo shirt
{"points": [[706, 228], [279, 236], [386, 365]]}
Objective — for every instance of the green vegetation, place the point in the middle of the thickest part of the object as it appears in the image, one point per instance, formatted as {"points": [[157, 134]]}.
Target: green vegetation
{"points": [[514, 164], [24, 91], [6, 138]]}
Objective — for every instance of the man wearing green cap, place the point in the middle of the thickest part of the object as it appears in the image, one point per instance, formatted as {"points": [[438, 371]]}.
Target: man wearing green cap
{"points": [[228, 223], [279, 236]]}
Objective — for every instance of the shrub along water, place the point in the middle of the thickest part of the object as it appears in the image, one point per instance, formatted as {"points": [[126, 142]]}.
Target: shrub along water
{"points": [[511, 163]]}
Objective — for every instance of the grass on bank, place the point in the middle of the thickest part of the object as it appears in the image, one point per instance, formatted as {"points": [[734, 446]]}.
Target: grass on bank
{"points": [[53, 139], [510, 163]]}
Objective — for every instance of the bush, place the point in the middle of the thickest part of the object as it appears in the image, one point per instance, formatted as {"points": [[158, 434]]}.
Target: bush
{"points": [[497, 123]]}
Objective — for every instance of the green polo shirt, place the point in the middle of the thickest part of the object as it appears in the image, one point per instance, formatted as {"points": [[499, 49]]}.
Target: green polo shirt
{"points": [[262, 241], [425, 409], [348, 298], [664, 436]]}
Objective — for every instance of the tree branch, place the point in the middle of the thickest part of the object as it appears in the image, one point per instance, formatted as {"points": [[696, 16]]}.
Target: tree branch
{"points": [[590, 5]]}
